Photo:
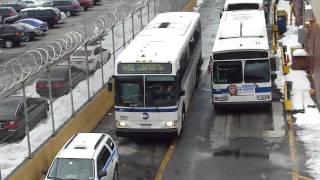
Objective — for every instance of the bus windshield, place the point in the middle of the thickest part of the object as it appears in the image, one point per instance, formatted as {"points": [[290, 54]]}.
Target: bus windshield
{"points": [[129, 91], [160, 91], [257, 71], [227, 72]]}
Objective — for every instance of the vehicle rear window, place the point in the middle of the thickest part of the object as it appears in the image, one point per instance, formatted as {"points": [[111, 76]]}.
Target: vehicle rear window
{"points": [[4, 10], [56, 74], [8, 109]]}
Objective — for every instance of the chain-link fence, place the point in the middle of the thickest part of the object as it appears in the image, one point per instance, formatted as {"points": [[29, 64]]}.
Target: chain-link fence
{"points": [[43, 88]]}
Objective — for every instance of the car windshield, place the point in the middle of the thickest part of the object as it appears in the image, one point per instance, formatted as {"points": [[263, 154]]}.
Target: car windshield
{"points": [[7, 109], [82, 52], [160, 91], [257, 71], [25, 25], [67, 168], [129, 91], [226, 72]]}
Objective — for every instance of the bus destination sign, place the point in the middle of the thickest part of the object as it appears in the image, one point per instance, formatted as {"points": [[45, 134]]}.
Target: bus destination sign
{"points": [[144, 68]]}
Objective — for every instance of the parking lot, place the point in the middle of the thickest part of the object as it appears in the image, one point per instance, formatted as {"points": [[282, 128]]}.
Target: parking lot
{"points": [[72, 23]]}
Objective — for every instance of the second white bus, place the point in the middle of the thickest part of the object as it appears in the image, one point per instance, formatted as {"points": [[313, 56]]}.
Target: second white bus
{"points": [[240, 60], [155, 76]]}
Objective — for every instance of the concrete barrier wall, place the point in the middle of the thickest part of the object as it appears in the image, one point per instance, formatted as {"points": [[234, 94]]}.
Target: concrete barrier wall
{"points": [[84, 121], [189, 6]]}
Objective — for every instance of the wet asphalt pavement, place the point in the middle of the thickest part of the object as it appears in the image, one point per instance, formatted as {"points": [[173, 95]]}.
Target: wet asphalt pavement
{"points": [[249, 144]]}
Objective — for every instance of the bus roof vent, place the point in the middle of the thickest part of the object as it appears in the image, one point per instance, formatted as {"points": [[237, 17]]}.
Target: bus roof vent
{"points": [[164, 25]]}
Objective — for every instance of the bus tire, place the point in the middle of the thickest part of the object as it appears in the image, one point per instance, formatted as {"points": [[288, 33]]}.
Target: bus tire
{"points": [[197, 77], [183, 117]]}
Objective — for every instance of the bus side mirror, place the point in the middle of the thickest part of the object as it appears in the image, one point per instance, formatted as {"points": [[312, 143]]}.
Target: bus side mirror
{"points": [[182, 92], [220, 15], [102, 174], [109, 86]]}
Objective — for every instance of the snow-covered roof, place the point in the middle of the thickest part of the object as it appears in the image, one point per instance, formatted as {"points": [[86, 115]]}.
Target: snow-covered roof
{"points": [[241, 30], [229, 2], [162, 40]]}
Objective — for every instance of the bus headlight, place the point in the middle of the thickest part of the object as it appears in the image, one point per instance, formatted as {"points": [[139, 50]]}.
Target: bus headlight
{"points": [[122, 123], [221, 98], [171, 123], [263, 97]]}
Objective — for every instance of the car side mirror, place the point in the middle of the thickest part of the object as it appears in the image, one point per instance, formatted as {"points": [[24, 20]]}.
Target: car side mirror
{"points": [[182, 92], [102, 174], [44, 171]]}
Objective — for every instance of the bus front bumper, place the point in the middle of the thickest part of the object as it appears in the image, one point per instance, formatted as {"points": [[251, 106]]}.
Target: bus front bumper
{"points": [[128, 132]]}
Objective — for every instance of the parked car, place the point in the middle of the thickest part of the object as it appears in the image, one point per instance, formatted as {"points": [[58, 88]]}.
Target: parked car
{"points": [[30, 31], [60, 82], [78, 58], [12, 116], [7, 12], [87, 156], [70, 7], [11, 35], [86, 4], [16, 5], [35, 23], [50, 15]]}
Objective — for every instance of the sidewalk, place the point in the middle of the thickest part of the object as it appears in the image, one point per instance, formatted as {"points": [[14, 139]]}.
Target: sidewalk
{"points": [[304, 109]]}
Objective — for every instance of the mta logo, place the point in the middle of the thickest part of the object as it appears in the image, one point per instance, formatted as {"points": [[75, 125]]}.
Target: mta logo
{"points": [[145, 116]]}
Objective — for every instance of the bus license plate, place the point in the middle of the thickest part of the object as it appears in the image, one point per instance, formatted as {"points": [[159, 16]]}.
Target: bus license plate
{"points": [[145, 124]]}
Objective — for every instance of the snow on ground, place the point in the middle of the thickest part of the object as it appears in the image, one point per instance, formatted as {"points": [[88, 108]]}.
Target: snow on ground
{"points": [[308, 123]]}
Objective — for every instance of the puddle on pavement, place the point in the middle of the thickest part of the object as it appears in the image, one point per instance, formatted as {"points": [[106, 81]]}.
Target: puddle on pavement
{"points": [[238, 153]]}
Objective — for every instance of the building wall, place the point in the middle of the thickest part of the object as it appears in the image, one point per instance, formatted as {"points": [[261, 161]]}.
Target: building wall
{"points": [[313, 47], [316, 8]]}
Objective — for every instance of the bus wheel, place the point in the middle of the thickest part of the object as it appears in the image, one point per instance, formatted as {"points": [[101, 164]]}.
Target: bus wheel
{"points": [[183, 117]]}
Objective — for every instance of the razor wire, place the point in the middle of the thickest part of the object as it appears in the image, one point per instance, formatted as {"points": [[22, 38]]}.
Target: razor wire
{"points": [[17, 72]]}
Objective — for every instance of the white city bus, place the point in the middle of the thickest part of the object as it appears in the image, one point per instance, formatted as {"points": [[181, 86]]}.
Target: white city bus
{"points": [[155, 76], [234, 5], [240, 61]]}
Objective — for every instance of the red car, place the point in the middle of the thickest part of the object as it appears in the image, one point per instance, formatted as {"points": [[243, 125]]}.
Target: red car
{"points": [[86, 4]]}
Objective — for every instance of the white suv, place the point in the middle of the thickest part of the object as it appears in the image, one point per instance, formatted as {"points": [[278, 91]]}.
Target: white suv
{"points": [[78, 58], [86, 156]]}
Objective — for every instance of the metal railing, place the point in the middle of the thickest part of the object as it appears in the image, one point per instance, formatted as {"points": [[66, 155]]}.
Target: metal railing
{"points": [[113, 31]]}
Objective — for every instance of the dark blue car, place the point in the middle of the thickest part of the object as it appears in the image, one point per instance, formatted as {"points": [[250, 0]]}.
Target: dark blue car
{"points": [[35, 22]]}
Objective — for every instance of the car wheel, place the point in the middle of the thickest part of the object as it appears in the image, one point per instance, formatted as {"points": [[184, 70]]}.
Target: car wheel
{"points": [[115, 174], [8, 43], [68, 13], [85, 8]]}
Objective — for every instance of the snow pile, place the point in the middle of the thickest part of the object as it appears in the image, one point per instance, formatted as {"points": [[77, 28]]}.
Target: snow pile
{"points": [[308, 121], [300, 52]]}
